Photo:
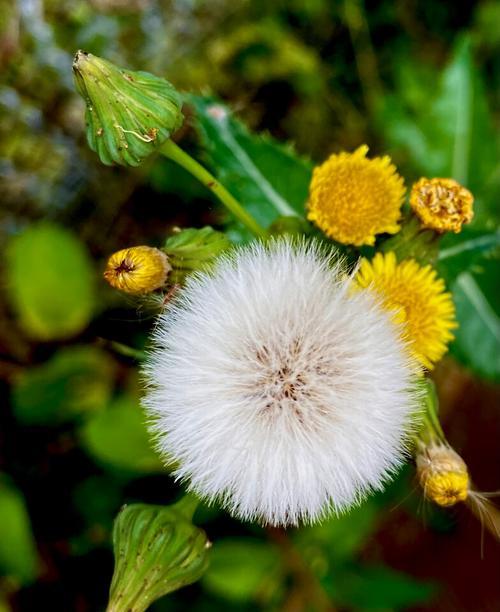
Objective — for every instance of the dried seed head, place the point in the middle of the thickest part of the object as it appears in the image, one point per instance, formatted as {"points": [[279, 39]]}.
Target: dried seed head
{"points": [[277, 392], [137, 270], [442, 204]]}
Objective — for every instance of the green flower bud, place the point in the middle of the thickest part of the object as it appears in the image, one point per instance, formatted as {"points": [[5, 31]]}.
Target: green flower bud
{"points": [[157, 550], [194, 249], [129, 114]]}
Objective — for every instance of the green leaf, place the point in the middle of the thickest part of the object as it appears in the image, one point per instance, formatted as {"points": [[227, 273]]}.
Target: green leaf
{"points": [[268, 178], [341, 536], [379, 588], [477, 340], [242, 569], [460, 252], [50, 282], [453, 134], [18, 554], [117, 437], [76, 381]]}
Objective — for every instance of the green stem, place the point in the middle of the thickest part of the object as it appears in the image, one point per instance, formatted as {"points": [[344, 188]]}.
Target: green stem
{"points": [[176, 154]]}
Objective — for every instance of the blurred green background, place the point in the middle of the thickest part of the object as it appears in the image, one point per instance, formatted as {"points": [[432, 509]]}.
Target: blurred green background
{"points": [[417, 80]]}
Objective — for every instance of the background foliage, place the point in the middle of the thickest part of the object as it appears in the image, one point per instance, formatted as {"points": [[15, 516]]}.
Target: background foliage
{"points": [[418, 80]]}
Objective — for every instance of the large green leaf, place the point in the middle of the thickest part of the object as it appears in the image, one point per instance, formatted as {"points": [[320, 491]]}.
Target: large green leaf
{"points": [[18, 554], [241, 568], [268, 178], [50, 282], [341, 536], [379, 588], [78, 380], [117, 437], [460, 252], [478, 337], [452, 135]]}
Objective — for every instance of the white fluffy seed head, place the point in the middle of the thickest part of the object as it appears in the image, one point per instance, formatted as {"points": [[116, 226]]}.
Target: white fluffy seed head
{"points": [[280, 393]]}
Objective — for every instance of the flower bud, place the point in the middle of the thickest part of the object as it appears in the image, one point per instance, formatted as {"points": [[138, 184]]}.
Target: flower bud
{"points": [[442, 474], [157, 550], [129, 114], [138, 270], [194, 249], [441, 204]]}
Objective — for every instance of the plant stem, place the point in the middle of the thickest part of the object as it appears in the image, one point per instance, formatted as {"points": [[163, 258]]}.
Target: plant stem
{"points": [[175, 153]]}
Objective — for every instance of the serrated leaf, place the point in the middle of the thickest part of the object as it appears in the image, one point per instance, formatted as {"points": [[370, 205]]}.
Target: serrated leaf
{"points": [[50, 282], [477, 340], [18, 554], [76, 381], [118, 439], [268, 178]]}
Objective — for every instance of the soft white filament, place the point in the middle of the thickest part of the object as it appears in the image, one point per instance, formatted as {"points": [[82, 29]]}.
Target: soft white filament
{"points": [[277, 391]]}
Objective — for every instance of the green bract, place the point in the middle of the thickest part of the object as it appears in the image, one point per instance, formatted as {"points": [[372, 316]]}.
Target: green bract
{"points": [[157, 550], [194, 249], [129, 114]]}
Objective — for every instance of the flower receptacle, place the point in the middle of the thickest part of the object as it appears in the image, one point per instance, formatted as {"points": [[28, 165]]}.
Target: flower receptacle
{"points": [[129, 114]]}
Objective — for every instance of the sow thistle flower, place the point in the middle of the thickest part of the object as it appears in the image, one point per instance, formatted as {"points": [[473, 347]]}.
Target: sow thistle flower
{"points": [[277, 391], [418, 300], [442, 204], [352, 198]]}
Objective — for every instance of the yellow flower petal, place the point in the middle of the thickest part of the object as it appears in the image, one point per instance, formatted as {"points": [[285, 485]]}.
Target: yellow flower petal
{"points": [[352, 198], [417, 298]]}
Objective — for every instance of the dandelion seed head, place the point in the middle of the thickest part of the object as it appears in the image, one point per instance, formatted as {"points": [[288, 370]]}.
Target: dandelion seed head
{"points": [[278, 392]]}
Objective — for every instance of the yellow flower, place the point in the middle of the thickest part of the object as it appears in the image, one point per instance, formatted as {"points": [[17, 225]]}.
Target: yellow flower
{"points": [[139, 269], [443, 475], [418, 299], [441, 204], [352, 198]]}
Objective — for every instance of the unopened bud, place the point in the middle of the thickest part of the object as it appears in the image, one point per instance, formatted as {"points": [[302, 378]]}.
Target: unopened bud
{"points": [[441, 204], [138, 270], [157, 550], [442, 474], [194, 249], [129, 114]]}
